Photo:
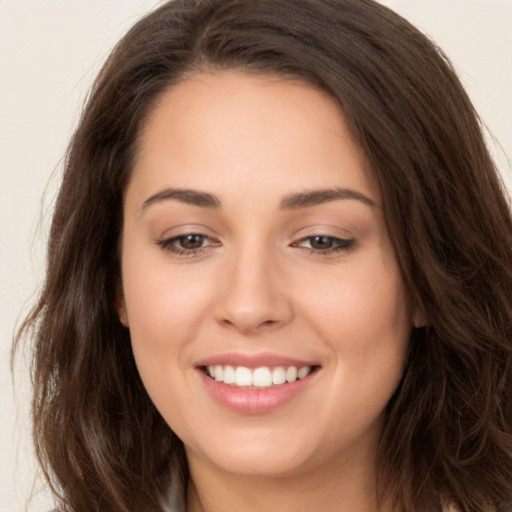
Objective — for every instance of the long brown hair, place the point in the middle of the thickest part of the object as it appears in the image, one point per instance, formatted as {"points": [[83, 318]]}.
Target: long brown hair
{"points": [[448, 432]]}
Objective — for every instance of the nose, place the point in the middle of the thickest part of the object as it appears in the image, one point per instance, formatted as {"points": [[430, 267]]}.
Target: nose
{"points": [[252, 295]]}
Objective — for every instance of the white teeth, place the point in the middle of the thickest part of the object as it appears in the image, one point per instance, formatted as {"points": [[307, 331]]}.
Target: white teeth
{"points": [[219, 373], [291, 374], [303, 372], [278, 376], [262, 377], [243, 376], [229, 375]]}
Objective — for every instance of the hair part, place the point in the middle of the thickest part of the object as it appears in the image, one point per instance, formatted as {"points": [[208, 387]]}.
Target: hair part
{"points": [[448, 432]]}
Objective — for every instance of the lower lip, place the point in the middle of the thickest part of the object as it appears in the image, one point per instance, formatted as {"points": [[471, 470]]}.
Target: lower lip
{"points": [[254, 401]]}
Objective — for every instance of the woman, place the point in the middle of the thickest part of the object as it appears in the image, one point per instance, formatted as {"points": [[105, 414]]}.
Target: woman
{"points": [[279, 273]]}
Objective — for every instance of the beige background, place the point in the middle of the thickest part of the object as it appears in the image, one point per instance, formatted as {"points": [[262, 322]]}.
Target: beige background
{"points": [[49, 52]]}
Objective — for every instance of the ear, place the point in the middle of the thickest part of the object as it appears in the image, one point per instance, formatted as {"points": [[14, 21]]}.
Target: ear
{"points": [[120, 305], [419, 318]]}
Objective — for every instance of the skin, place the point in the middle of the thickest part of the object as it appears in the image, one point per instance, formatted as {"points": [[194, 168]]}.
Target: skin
{"points": [[259, 283]]}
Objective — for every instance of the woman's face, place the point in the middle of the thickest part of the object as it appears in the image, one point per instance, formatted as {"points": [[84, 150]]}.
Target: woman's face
{"points": [[266, 308]]}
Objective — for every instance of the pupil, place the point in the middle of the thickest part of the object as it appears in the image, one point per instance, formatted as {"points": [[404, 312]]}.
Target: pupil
{"points": [[192, 241], [321, 242]]}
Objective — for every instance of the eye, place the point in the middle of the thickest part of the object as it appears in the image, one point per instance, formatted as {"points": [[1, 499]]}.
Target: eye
{"points": [[188, 244], [324, 244], [321, 243], [191, 242]]}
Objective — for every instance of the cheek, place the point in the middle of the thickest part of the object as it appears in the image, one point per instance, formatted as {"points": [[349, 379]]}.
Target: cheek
{"points": [[163, 309], [365, 324], [364, 305], [159, 299]]}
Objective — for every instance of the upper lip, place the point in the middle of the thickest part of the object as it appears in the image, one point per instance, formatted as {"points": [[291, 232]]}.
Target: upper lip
{"points": [[253, 360]]}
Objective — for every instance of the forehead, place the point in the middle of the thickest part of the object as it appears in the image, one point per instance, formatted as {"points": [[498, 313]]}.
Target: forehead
{"points": [[221, 128]]}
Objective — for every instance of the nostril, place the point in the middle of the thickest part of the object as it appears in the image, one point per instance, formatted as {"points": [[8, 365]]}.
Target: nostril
{"points": [[249, 325]]}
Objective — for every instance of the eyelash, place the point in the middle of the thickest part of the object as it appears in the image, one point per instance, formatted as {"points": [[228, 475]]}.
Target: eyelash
{"points": [[337, 245], [170, 244]]}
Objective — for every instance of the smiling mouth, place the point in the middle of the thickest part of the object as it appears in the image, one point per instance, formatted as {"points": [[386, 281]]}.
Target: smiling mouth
{"points": [[263, 377]]}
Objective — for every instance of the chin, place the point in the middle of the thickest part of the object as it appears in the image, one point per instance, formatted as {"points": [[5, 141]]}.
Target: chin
{"points": [[275, 457]]}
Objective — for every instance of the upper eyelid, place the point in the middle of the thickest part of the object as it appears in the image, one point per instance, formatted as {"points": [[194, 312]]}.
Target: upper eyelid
{"points": [[345, 236], [184, 230], [169, 239], [326, 227], [324, 235], [344, 240]]}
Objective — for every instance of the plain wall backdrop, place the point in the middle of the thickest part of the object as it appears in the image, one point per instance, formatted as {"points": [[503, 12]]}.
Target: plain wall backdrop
{"points": [[50, 50]]}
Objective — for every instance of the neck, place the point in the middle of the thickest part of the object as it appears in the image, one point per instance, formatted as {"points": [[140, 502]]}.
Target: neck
{"points": [[331, 489]]}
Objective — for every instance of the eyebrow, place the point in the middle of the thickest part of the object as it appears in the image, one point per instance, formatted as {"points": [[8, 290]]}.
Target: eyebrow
{"points": [[294, 201], [316, 197], [187, 196]]}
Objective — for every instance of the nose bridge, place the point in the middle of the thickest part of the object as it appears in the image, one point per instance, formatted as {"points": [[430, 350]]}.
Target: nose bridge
{"points": [[253, 296]]}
